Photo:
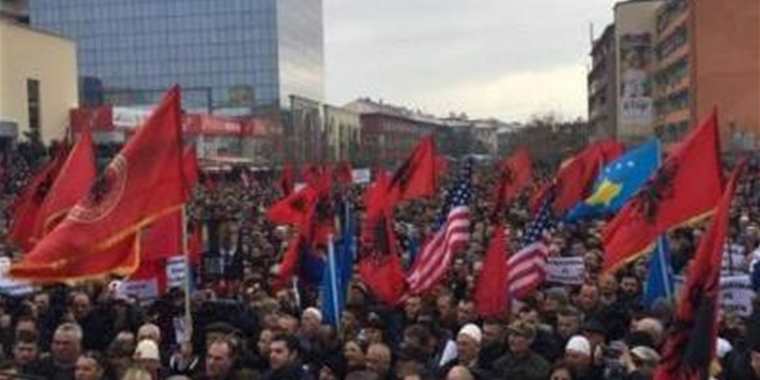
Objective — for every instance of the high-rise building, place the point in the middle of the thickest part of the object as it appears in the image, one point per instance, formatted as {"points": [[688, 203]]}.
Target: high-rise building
{"points": [[230, 56], [677, 60], [708, 53], [602, 86]]}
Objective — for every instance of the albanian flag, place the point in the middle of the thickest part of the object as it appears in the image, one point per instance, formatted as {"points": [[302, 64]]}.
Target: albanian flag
{"points": [[684, 189], [690, 346], [144, 182]]}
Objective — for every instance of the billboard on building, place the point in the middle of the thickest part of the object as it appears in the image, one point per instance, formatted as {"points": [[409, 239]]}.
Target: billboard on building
{"points": [[636, 102]]}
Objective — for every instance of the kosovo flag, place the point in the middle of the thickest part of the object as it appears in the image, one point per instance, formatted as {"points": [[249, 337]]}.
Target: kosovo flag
{"points": [[618, 182]]}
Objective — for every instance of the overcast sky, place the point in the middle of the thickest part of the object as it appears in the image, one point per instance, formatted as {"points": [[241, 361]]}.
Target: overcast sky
{"points": [[502, 58]]}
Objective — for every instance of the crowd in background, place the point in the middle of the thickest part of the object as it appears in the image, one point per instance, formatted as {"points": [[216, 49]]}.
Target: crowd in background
{"points": [[245, 328]]}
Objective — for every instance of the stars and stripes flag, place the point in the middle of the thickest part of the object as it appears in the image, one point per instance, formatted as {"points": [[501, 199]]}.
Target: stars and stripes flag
{"points": [[452, 234], [527, 267]]}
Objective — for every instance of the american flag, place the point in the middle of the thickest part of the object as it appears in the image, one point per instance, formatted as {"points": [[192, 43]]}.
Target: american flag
{"points": [[527, 267], [452, 234]]}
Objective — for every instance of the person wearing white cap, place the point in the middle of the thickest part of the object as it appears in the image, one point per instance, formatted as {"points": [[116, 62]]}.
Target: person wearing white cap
{"points": [[468, 343], [578, 357], [147, 356]]}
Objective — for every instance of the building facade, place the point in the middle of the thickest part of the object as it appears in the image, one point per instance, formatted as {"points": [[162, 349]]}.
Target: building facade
{"points": [[602, 86], [635, 33], [699, 55], [229, 56], [343, 134], [38, 82], [389, 132], [671, 78]]}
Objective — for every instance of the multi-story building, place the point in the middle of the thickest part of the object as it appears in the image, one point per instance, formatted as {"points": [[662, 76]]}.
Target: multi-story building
{"points": [[38, 82], [389, 133], [229, 56], [343, 134], [602, 86], [635, 32], [672, 82], [680, 59]]}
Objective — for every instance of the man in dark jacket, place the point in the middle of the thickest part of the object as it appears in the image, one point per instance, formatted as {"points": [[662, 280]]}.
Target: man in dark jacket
{"points": [[284, 360], [520, 362], [744, 365]]}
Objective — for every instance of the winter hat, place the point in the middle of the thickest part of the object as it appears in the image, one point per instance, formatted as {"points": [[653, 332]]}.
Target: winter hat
{"points": [[471, 331], [579, 344]]}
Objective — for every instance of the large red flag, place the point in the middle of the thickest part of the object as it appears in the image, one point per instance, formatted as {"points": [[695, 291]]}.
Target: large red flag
{"points": [[685, 188], [417, 177], [76, 176], [143, 182], [293, 209], [163, 238], [690, 347], [491, 289], [380, 265], [516, 173], [27, 206]]}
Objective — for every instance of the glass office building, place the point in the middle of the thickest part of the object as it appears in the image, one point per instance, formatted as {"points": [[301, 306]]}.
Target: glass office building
{"points": [[228, 55]]}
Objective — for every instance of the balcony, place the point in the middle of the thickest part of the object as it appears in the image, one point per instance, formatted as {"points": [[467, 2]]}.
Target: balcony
{"points": [[673, 24], [673, 56]]}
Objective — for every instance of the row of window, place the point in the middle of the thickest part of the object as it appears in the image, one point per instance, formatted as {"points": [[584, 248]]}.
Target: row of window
{"points": [[673, 42], [75, 9], [673, 102], [670, 10], [670, 76]]}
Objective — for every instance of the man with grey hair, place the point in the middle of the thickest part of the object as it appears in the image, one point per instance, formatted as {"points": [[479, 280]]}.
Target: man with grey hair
{"points": [[64, 352]]}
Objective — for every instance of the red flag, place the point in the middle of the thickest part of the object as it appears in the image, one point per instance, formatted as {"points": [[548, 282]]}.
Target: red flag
{"points": [[152, 270], [286, 180], [380, 266], [143, 182], [417, 176], [685, 188], [576, 175], [516, 174], [312, 173], [27, 206], [163, 238], [76, 176], [293, 209], [343, 173], [491, 289], [690, 348]]}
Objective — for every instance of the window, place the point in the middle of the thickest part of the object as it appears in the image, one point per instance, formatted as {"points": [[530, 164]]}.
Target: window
{"points": [[33, 104]]}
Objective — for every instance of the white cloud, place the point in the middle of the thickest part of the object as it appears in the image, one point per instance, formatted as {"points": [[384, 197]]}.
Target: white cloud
{"points": [[515, 95], [487, 57]]}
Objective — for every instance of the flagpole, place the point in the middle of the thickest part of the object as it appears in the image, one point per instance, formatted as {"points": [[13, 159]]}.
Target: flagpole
{"points": [[664, 264], [186, 255], [333, 281]]}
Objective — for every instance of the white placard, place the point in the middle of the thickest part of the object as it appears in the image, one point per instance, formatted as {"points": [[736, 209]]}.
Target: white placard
{"points": [[361, 176], [141, 289], [565, 270], [736, 293], [11, 287], [176, 271]]}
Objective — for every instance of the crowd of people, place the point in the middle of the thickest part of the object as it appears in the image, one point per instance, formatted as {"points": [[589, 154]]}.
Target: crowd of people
{"points": [[243, 327]]}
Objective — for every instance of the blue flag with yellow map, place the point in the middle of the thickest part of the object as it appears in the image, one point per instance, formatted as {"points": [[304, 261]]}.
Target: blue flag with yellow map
{"points": [[618, 182]]}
